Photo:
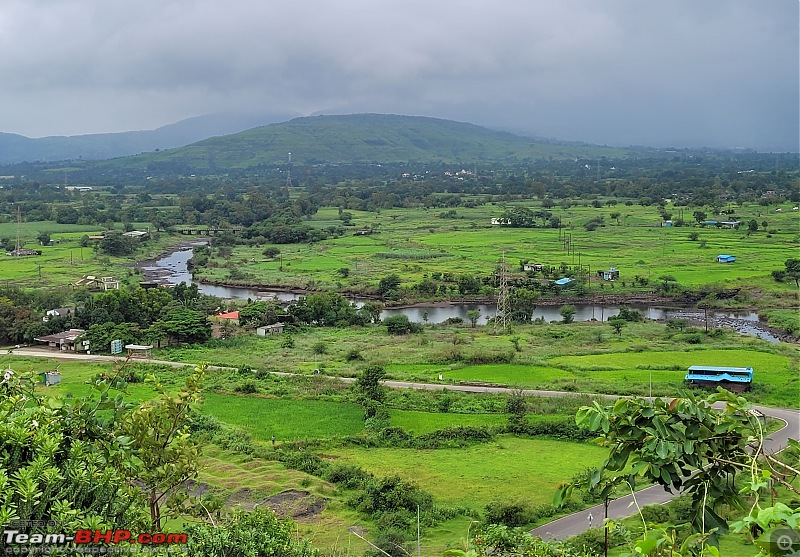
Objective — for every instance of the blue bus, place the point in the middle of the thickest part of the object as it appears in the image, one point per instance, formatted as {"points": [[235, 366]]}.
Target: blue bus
{"points": [[736, 379]]}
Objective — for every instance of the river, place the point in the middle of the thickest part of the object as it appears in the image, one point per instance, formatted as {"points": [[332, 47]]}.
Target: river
{"points": [[173, 269]]}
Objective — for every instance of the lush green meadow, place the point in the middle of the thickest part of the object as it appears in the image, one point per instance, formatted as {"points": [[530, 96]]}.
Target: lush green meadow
{"points": [[285, 419], [507, 469], [66, 261], [417, 242], [580, 357]]}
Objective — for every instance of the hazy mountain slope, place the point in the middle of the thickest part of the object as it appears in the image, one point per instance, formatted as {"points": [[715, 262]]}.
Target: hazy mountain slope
{"points": [[360, 137], [17, 148]]}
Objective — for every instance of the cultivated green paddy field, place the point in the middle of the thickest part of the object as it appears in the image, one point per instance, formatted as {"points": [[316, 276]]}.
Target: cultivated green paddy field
{"points": [[416, 242]]}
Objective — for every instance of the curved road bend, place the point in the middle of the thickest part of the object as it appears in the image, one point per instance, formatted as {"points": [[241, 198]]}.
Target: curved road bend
{"points": [[564, 527]]}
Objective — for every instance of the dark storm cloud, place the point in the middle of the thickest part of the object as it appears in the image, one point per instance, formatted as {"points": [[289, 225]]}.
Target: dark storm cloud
{"points": [[718, 72]]}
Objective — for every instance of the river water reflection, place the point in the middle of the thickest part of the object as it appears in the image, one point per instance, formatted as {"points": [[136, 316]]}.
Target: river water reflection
{"points": [[173, 269]]}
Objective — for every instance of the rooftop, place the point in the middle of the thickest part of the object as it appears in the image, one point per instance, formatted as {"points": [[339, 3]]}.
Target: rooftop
{"points": [[228, 315]]}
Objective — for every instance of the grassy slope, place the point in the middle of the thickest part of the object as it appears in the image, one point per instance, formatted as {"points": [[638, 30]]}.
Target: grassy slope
{"points": [[510, 468], [507, 468], [362, 137]]}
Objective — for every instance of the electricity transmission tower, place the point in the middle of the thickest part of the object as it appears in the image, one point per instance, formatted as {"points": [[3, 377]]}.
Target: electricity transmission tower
{"points": [[289, 172], [501, 313]]}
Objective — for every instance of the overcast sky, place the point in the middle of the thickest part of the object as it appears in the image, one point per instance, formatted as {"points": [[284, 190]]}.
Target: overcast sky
{"points": [[721, 73]]}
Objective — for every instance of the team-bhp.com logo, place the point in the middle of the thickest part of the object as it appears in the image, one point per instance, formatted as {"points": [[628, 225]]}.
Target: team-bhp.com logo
{"points": [[16, 541]]}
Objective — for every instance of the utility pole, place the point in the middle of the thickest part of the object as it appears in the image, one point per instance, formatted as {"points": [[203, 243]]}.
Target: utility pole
{"points": [[605, 528], [419, 544]]}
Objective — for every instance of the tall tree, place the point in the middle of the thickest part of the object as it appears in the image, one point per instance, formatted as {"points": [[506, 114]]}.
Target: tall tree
{"points": [[793, 270]]}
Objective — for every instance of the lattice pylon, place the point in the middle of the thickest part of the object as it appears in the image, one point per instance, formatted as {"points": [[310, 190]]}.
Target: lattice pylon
{"points": [[501, 313]]}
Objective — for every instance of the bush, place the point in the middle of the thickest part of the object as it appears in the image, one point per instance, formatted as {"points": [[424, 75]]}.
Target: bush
{"points": [[320, 348], [248, 387], [690, 338], [591, 541], [347, 475], [656, 514], [245, 370], [391, 541], [508, 513], [203, 422], [557, 429], [354, 355], [304, 462], [630, 314], [392, 494], [400, 325], [247, 534], [454, 437], [287, 342]]}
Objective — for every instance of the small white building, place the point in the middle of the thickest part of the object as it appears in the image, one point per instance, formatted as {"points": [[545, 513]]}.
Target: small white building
{"points": [[58, 312], [102, 283], [266, 330], [138, 234]]}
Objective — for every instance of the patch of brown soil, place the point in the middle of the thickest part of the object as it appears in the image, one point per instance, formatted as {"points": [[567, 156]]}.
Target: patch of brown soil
{"points": [[291, 503], [196, 489], [295, 504]]}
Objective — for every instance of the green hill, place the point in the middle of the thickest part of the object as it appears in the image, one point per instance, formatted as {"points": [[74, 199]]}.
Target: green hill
{"points": [[378, 138]]}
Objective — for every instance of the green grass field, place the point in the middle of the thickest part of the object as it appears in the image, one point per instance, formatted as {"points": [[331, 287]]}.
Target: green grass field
{"points": [[507, 469], [285, 419], [65, 262], [581, 357], [415, 242]]}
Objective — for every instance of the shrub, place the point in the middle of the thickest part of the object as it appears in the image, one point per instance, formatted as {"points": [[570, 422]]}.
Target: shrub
{"points": [[248, 387], [400, 325], [690, 338], [245, 369], [454, 437], [511, 514], [354, 355], [391, 541], [304, 461], [249, 534], [630, 314], [346, 475], [490, 358], [656, 514], [590, 542], [287, 342], [392, 494], [203, 422], [320, 348]]}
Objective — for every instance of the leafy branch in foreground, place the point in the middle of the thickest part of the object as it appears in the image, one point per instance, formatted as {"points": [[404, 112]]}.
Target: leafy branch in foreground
{"points": [[159, 431], [695, 446]]}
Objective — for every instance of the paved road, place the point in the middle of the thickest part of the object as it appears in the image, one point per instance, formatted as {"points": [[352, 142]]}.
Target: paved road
{"points": [[578, 522], [563, 527]]}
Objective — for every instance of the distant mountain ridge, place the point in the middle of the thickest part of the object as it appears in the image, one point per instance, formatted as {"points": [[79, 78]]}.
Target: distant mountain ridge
{"points": [[379, 138], [16, 148]]}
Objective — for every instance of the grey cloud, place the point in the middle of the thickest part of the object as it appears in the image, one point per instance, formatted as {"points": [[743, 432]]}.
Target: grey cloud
{"points": [[718, 72]]}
